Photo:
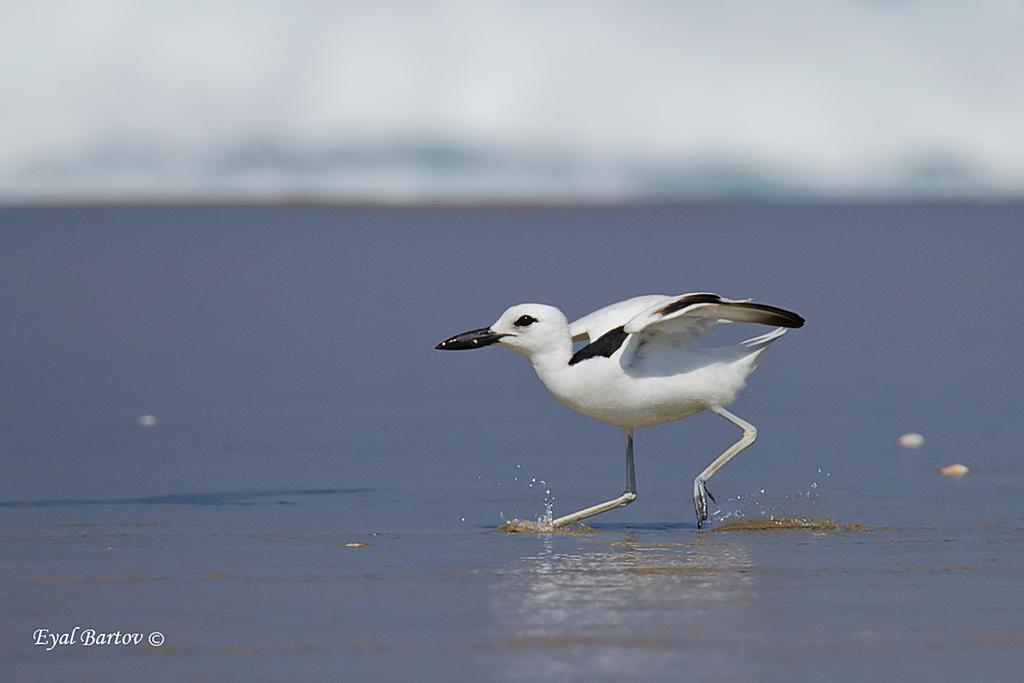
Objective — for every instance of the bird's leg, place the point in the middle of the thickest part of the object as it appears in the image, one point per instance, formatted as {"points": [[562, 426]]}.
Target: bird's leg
{"points": [[627, 497], [700, 487]]}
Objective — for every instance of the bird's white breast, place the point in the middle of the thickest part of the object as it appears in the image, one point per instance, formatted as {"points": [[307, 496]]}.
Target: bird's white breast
{"points": [[603, 389]]}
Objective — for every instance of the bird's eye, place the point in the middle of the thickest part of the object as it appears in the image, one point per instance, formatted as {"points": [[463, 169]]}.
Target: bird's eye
{"points": [[525, 320]]}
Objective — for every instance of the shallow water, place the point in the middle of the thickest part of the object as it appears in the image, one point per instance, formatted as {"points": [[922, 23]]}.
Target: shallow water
{"points": [[320, 496]]}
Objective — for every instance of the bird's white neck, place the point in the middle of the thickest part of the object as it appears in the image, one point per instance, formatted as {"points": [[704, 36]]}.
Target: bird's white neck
{"points": [[552, 364]]}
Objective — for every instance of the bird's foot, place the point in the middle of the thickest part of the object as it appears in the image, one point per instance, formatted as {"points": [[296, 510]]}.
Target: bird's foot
{"points": [[701, 494]]}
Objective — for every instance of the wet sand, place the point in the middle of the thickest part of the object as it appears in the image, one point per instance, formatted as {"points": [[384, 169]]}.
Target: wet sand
{"points": [[285, 587], [320, 495]]}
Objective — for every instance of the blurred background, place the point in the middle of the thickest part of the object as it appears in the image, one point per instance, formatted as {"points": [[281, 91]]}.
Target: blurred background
{"points": [[451, 101]]}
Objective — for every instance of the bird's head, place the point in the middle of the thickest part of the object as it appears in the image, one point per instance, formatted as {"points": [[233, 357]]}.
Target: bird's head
{"points": [[529, 329]]}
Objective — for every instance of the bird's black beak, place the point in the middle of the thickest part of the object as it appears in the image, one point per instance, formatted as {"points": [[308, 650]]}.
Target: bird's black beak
{"points": [[474, 339]]}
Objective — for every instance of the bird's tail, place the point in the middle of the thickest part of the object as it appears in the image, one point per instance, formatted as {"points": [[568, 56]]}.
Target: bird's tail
{"points": [[753, 349], [765, 339]]}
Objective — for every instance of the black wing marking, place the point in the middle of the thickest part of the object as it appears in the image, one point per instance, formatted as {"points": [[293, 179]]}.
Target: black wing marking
{"points": [[688, 300], [755, 313], [771, 315], [604, 346]]}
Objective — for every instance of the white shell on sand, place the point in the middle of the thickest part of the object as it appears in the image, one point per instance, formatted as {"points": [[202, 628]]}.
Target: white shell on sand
{"points": [[910, 440], [956, 470]]}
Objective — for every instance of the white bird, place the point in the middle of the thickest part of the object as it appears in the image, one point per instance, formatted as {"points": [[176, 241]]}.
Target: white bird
{"points": [[643, 366]]}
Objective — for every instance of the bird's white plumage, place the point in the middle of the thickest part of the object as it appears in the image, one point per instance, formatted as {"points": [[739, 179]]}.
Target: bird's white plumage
{"points": [[658, 372], [644, 364], [654, 378], [593, 325], [645, 314], [693, 316]]}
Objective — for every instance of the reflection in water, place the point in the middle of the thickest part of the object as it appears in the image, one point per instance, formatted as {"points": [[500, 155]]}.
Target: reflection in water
{"points": [[609, 612]]}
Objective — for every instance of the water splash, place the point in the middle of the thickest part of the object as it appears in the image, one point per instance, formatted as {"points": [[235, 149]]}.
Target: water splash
{"points": [[525, 526], [760, 505], [548, 517], [549, 508], [544, 523], [761, 512]]}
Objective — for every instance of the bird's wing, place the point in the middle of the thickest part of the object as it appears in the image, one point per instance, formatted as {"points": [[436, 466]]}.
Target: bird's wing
{"points": [[593, 325], [686, 317]]}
